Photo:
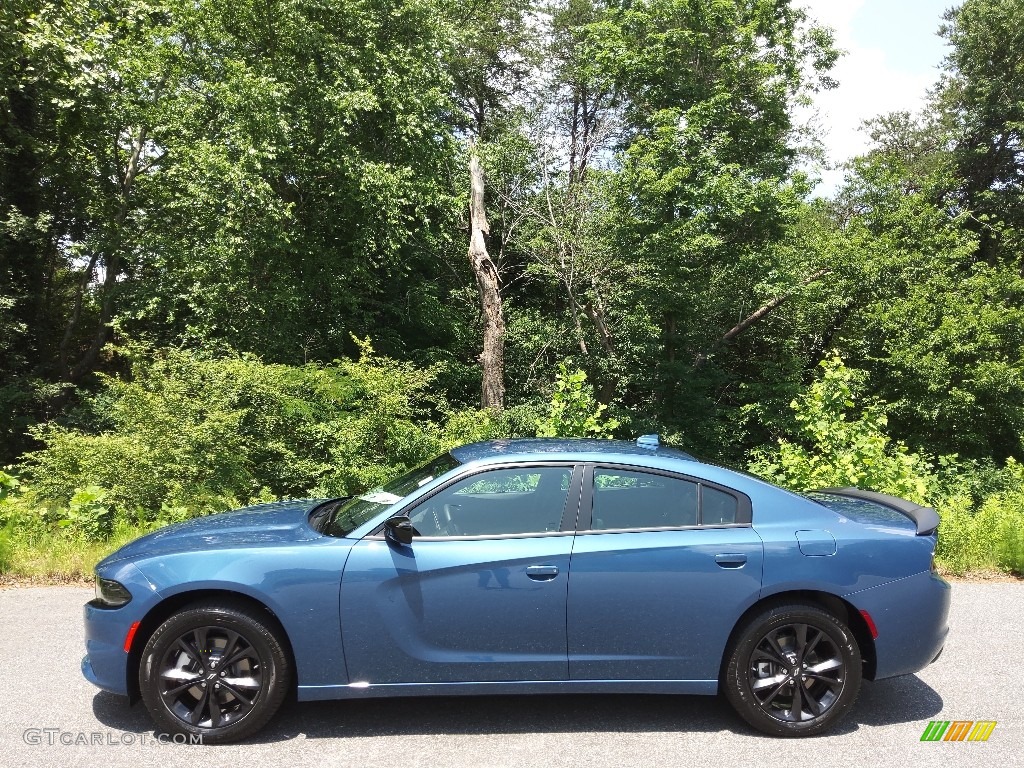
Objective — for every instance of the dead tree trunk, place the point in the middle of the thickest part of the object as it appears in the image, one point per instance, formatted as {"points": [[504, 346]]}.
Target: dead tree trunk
{"points": [[492, 357]]}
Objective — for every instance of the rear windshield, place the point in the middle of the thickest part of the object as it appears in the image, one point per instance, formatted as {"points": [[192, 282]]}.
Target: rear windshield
{"points": [[350, 513], [863, 511]]}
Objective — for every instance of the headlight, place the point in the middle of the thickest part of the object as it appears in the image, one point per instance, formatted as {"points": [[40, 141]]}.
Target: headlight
{"points": [[111, 594]]}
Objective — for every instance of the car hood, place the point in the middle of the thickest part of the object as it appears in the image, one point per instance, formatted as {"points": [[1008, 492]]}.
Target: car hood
{"points": [[275, 523]]}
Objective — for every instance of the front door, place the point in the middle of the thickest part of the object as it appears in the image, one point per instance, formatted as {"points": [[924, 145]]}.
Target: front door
{"points": [[479, 595]]}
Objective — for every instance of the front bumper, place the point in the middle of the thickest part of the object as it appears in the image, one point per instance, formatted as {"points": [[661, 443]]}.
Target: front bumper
{"points": [[106, 662]]}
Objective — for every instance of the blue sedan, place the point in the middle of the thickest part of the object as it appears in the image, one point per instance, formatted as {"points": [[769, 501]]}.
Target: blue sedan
{"points": [[525, 566]]}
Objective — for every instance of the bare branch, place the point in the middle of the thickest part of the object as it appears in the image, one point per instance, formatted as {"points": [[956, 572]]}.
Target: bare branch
{"points": [[758, 314]]}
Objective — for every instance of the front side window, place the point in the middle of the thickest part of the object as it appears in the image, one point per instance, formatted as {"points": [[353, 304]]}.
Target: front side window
{"points": [[499, 502], [349, 514], [625, 499]]}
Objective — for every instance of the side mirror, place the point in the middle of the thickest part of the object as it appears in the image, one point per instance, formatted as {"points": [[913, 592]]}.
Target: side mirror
{"points": [[399, 528]]}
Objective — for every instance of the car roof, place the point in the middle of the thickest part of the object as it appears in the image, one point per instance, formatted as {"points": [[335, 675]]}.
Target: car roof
{"points": [[581, 449]]}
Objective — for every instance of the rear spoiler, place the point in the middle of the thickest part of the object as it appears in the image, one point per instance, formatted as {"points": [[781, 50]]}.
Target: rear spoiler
{"points": [[925, 518]]}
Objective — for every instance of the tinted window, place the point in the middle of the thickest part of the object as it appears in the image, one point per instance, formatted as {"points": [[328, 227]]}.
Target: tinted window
{"points": [[349, 514], [502, 501], [624, 499], [717, 507]]}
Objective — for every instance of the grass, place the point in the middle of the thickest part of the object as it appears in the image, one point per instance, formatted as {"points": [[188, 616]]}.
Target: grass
{"points": [[42, 556]]}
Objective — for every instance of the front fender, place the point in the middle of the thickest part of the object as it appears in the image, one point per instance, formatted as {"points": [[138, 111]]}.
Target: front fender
{"points": [[299, 583]]}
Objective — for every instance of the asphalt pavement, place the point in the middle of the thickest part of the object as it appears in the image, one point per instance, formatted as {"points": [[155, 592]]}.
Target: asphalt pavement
{"points": [[49, 715]]}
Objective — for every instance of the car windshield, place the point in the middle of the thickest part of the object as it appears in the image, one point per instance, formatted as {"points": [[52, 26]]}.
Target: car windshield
{"points": [[349, 514]]}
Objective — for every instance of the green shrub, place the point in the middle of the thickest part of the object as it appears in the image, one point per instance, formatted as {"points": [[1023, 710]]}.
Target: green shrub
{"points": [[960, 547], [88, 516], [977, 479], [989, 536], [17, 509], [462, 427], [6, 546], [573, 410], [981, 505], [836, 446], [8, 485], [190, 433]]}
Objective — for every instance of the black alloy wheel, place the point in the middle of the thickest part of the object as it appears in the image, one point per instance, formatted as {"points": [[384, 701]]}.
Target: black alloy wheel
{"points": [[216, 671], [795, 670]]}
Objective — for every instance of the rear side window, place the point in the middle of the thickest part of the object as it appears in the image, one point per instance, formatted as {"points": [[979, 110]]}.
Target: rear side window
{"points": [[624, 499], [717, 507]]}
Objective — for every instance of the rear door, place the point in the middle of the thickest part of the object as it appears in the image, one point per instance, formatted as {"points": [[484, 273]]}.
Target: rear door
{"points": [[662, 567]]}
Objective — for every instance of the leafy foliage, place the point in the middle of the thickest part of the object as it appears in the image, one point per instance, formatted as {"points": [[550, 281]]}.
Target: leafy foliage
{"points": [[259, 182], [840, 448], [87, 514], [192, 433], [8, 483], [986, 537], [573, 411]]}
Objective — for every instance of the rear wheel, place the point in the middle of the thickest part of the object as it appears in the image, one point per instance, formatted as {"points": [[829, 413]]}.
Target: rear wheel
{"points": [[794, 670], [214, 670]]}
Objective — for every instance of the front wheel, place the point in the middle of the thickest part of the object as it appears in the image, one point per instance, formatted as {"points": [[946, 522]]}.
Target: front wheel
{"points": [[213, 670], [794, 670]]}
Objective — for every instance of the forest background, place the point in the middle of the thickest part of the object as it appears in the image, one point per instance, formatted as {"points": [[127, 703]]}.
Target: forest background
{"points": [[260, 249]]}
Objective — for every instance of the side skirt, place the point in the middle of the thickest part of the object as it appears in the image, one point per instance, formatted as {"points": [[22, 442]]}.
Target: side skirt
{"points": [[501, 688]]}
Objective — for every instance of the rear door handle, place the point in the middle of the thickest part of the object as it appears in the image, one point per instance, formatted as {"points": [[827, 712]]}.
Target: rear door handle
{"points": [[731, 560], [542, 572]]}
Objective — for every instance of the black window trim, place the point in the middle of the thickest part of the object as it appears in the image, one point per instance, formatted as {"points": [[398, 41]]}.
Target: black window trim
{"points": [[570, 511], [744, 510]]}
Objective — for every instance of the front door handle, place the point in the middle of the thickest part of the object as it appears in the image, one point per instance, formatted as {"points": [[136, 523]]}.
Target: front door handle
{"points": [[542, 572], [731, 559]]}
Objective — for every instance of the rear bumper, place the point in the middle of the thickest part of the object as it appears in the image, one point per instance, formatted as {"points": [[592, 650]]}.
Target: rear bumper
{"points": [[912, 620]]}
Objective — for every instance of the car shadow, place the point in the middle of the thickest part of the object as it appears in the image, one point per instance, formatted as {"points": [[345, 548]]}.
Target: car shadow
{"points": [[888, 702], [905, 699]]}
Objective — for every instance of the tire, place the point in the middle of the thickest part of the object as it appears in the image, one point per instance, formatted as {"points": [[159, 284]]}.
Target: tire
{"points": [[234, 657], [793, 670]]}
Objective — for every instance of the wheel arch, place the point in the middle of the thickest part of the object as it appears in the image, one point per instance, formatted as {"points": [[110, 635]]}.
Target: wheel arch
{"points": [[167, 607], [834, 604]]}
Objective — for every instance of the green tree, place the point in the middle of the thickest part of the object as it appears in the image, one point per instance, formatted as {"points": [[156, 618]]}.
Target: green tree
{"points": [[244, 173], [309, 185], [707, 186], [573, 411], [836, 446], [981, 95], [934, 323]]}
